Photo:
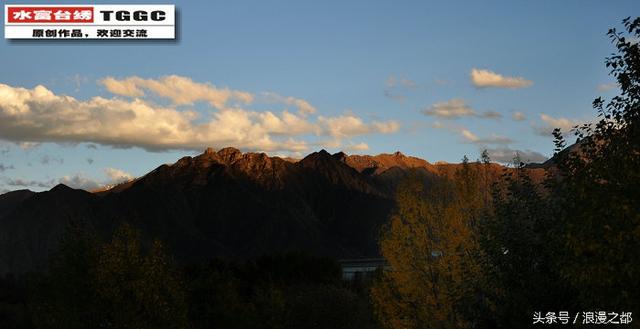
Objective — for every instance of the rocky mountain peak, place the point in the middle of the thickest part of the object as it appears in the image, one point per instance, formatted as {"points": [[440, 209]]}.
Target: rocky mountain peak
{"points": [[315, 158], [229, 154], [341, 156], [61, 187]]}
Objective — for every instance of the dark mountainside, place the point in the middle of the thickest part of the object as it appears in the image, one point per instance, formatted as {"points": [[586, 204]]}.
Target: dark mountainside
{"points": [[225, 204]]}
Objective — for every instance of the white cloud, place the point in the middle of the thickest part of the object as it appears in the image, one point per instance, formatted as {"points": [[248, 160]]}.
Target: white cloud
{"points": [[330, 144], [356, 147], [486, 78], [491, 115], [518, 116], [19, 182], [470, 137], [348, 125], [396, 87], [452, 109], [506, 155], [607, 86], [32, 116], [408, 83], [180, 90], [549, 123], [391, 81], [458, 108], [303, 106], [80, 181], [385, 127], [28, 145], [78, 81], [116, 176]]}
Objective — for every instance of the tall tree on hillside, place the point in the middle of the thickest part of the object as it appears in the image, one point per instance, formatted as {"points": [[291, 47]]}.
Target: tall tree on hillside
{"points": [[598, 191], [518, 242]]}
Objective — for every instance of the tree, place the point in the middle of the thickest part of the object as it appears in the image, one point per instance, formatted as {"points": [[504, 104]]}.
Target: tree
{"points": [[518, 240], [137, 289], [597, 192], [65, 298], [110, 285], [432, 249]]}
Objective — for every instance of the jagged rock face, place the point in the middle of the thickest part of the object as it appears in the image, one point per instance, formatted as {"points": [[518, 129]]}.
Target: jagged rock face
{"points": [[375, 165], [229, 154], [336, 171]]}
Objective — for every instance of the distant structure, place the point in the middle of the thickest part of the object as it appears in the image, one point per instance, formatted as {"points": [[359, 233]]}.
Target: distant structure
{"points": [[355, 269]]}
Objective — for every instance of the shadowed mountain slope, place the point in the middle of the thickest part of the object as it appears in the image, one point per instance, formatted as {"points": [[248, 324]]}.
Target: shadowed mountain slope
{"points": [[225, 204]]}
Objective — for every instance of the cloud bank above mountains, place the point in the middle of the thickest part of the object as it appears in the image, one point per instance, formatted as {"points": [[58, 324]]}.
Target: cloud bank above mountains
{"points": [[133, 118]]}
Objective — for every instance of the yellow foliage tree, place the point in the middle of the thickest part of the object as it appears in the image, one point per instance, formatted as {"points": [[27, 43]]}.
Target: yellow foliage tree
{"points": [[431, 247]]}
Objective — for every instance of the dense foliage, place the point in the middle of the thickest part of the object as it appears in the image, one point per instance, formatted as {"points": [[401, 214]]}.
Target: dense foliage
{"points": [[127, 283]]}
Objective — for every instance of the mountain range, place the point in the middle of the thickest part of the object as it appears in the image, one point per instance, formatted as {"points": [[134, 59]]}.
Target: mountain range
{"points": [[225, 204]]}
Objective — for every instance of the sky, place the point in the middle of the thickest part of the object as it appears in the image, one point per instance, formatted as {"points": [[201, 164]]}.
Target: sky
{"points": [[432, 79]]}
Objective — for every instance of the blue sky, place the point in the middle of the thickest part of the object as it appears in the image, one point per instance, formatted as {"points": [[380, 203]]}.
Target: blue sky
{"points": [[378, 76]]}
